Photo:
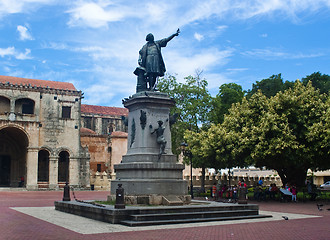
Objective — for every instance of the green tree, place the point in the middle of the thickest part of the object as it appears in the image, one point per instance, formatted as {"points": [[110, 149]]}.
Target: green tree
{"points": [[288, 132], [192, 106], [228, 94], [319, 138], [284, 133], [319, 81], [270, 86]]}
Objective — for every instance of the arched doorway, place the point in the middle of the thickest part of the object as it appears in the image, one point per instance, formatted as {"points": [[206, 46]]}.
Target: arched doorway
{"points": [[43, 166], [13, 150], [63, 166]]}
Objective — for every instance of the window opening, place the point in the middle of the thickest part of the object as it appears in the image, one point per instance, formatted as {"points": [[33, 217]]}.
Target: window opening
{"points": [[66, 112]]}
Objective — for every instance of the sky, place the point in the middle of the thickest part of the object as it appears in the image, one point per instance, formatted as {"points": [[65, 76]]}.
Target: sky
{"points": [[94, 44]]}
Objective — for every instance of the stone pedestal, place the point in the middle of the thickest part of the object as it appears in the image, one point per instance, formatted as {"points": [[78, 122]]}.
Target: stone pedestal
{"points": [[143, 171]]}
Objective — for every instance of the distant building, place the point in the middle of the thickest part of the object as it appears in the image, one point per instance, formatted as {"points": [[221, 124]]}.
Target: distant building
{"points": [[105, 135], [103, 120], [319, 177]]}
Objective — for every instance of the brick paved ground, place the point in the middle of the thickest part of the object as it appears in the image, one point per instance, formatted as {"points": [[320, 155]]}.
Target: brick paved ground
{"points": [[16, 225]]}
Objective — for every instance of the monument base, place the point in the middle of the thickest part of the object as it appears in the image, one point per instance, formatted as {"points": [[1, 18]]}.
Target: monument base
{"points": [[151, 183], [153, 199], [149, 172]]}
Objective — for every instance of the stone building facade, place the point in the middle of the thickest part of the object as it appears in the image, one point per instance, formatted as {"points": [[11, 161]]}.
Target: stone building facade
{"points": [[103, 120], [104, 134], [40, 145]]}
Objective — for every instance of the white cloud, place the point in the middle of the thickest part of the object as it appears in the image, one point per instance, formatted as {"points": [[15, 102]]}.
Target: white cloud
{"points": [[198, 37], [23, 56], [107, 87], [274, 54], [24, 33], [247, 9], [288, 8], [12, 52], [205, 60], [264, 35], [265, 53], [215, 80], [7, 51], [222, 28], [94, 15], [156, 11], [56, 46], [19, 6]]}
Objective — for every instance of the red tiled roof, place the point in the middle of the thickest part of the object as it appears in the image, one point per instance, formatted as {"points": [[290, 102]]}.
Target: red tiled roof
{"points": [[87, 131], [115, 111], [119, 134], [38, 83]]}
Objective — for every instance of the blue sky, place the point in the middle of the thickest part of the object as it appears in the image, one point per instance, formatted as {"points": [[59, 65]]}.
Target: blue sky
{"points": [[95, 44]]}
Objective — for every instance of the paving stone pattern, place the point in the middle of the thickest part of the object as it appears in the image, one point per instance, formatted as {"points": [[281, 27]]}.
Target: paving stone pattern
{"points": [[17, 225]]}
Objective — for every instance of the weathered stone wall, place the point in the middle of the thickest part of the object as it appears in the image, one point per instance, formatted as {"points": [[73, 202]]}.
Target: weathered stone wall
{"points": [[100, 181], [103, 120], [98, 146], [118, 148], [106, 151], [39, 114]]}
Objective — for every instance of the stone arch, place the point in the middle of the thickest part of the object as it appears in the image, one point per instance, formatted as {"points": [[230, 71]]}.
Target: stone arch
{"points": [[62, 149], [24, 106], [43, 165], [48, 149], [19, 127], [14, 143], [63, 166]]}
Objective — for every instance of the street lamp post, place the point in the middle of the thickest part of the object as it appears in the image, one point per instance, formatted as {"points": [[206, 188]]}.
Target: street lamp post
{"points": [[229, 176], [188, 154]]}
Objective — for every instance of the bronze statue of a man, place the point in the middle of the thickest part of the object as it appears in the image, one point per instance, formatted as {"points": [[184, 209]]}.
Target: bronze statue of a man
{"points": [[160, 137], [151, 63]]}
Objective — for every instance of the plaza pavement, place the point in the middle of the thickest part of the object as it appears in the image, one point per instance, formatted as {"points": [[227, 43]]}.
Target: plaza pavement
{"points": [[31, 215]]}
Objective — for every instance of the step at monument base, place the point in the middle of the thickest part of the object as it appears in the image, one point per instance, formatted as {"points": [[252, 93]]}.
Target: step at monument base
{"points": [[158, 215]]}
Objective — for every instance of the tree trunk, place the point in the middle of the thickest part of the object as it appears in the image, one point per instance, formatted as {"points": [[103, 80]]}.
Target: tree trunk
{"points": [[293, 176], [298, 177]]}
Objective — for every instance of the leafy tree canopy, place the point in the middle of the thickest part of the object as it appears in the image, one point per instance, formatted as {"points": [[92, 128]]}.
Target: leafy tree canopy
{"points": [[229, 93], [192, 105], [270, 86], [319, 81], [288, 132]]}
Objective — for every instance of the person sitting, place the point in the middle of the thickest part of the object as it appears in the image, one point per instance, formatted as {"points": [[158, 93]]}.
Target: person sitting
{"points": [[21, 183], [257, 193], [273, 191], [223, 190], [267, 191]]}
